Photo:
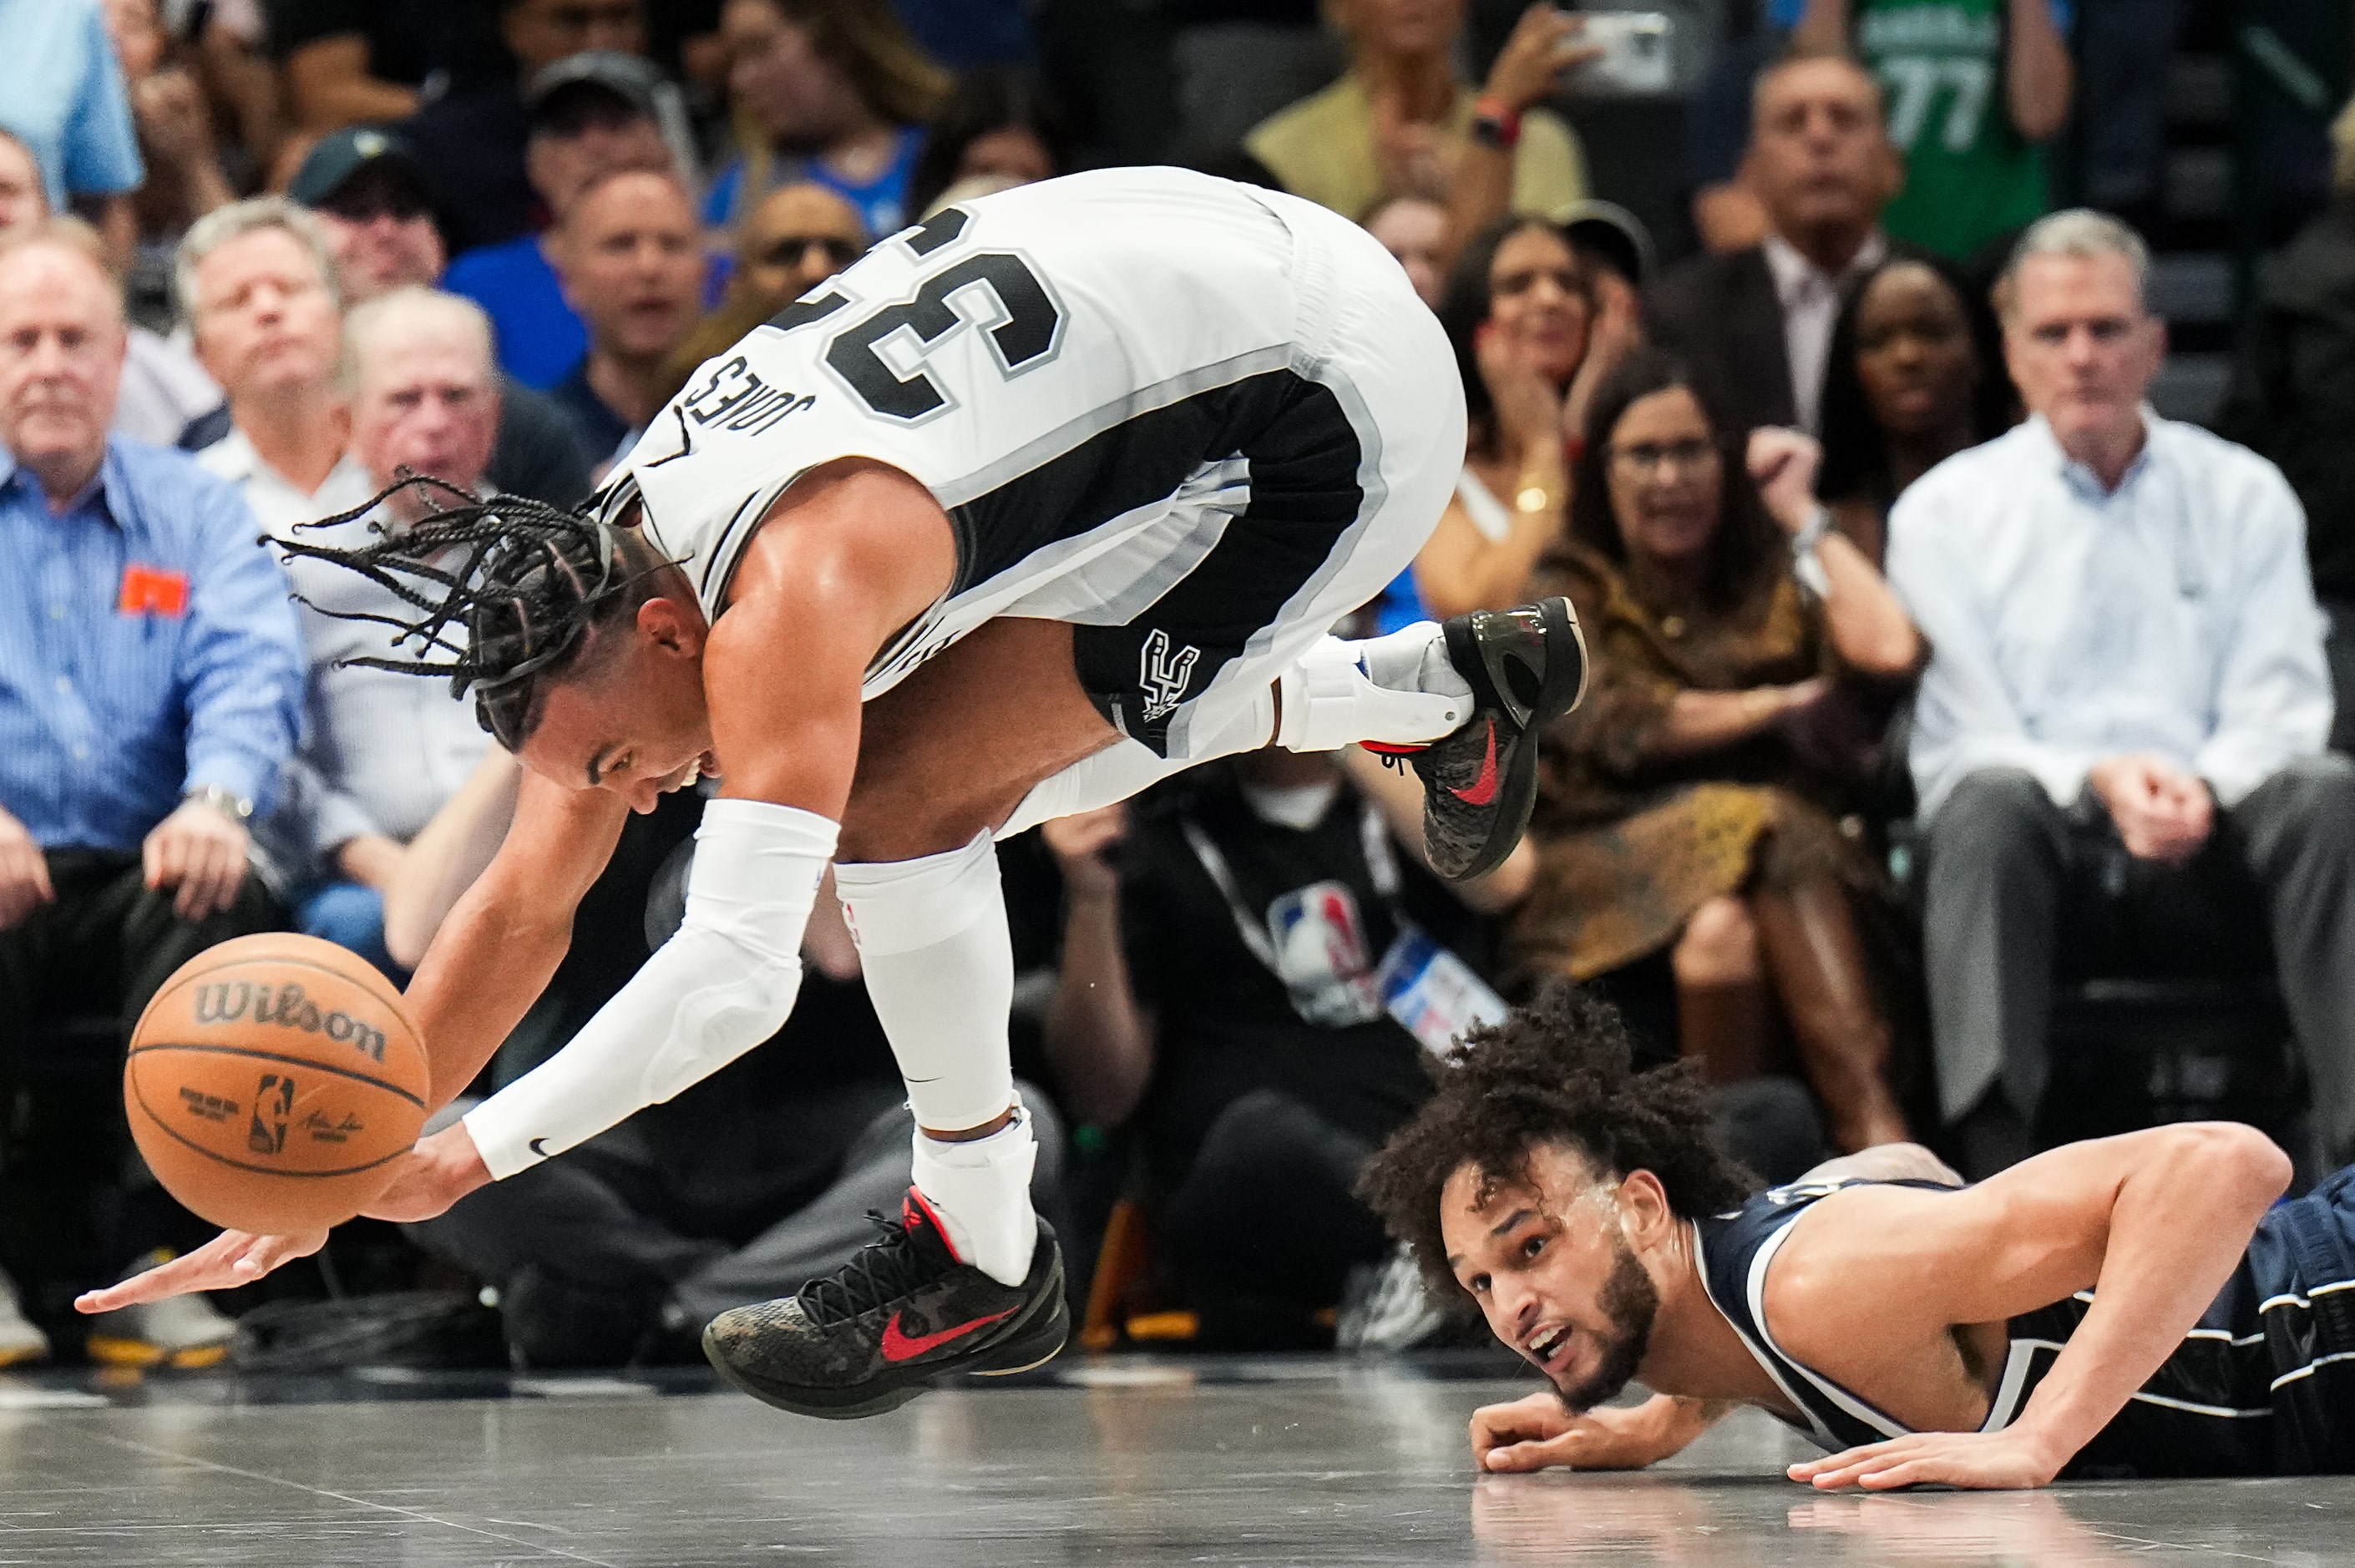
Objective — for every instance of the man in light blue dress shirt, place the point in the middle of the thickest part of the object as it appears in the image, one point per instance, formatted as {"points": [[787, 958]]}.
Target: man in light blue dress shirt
{"points": [[2119, 739], [151, 682]]}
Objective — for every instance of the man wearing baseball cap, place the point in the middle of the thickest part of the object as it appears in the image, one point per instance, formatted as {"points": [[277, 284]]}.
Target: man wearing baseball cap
{"points": [[592, 115], [365, 187]]}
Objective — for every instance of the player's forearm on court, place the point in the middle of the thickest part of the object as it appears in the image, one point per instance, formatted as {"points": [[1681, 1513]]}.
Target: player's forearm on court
{"points": [[1683, 1422], [2178, 1226], [1098, 1038]]}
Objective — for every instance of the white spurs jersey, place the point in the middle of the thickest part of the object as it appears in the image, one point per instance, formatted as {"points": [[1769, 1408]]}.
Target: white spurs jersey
{"points": [[1027, 358]]}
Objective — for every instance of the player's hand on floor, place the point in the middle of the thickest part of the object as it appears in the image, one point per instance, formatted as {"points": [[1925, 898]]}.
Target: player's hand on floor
{"points": [[1538, 1432], [1985, 1460], [231, 1259]]}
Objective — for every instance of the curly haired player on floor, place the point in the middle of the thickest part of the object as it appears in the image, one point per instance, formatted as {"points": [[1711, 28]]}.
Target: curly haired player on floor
{"points": [[1049, 497], [2133, 1305]]}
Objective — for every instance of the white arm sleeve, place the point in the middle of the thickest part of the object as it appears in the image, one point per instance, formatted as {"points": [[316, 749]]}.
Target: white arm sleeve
{"points": [[713, 991]]}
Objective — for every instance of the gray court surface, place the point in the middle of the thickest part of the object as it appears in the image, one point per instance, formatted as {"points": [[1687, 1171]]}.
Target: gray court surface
{"points": [[1122, 1461]]}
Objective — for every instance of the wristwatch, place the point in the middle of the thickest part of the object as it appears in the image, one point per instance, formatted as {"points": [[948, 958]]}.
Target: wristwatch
{"points": [[1805, 564], [1811, 533], [1495, 123], [221, 799]]}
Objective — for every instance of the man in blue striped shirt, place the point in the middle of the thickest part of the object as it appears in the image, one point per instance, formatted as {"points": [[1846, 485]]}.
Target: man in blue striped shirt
{"points": [[151, 682]]}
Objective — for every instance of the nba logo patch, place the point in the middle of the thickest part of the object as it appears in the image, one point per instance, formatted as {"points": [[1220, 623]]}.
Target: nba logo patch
{"points": [[1322, 955]]}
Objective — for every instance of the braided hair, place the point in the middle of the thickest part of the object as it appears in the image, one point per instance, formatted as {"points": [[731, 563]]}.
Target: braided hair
{"points": [[1557, 1070], [512, 612]]}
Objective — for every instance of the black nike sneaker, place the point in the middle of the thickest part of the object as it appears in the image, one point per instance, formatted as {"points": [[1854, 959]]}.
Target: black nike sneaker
{"points": [[1528, 668], [906, 1310]]}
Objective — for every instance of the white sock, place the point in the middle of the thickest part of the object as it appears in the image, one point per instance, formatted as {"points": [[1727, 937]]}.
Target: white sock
{"points": [[1399, 688], [981, 1190]]}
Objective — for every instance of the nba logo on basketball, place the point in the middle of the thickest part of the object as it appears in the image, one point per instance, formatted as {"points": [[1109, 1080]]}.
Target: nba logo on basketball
{"points": [[274, 1103]]}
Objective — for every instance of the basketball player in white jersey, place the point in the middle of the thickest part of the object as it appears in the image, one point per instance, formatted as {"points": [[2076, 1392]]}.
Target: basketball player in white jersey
{"points": [[1048, 498], [2139, 1304]]}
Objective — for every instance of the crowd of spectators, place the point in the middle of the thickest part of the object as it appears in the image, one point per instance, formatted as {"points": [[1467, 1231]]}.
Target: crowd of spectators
{"points": [[1933, 669]]}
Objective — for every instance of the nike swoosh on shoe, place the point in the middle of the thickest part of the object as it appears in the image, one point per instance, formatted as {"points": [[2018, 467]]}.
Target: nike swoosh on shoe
{"points": [[899, 1345], [1484, 788]]}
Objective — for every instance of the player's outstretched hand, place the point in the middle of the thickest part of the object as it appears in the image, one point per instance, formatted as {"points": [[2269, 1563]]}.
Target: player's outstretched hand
{"points": [[231, 1259], [1538, 1432], [1991, 1461]]}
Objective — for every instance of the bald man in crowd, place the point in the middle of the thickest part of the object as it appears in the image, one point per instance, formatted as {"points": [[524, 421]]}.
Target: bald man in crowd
{"points": [[629, 254], [382, 753], [151, 679]]}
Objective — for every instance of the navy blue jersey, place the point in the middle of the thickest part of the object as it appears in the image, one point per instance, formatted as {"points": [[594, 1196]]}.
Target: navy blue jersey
{"points": [[2263, 1384]]}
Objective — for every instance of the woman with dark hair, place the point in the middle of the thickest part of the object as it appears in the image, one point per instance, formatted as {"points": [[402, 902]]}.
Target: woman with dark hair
{"points": [[1530, 344], [1689, 805], [832, 91], [1915, 374], [999, 125]]}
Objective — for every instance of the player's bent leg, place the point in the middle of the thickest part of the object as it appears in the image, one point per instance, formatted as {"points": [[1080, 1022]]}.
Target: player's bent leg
{"points": [[968, 1278]]}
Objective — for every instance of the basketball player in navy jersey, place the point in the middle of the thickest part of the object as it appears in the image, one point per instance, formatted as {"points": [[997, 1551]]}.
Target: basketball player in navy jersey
{"points": [[1050, 497], [2134, 1305]]}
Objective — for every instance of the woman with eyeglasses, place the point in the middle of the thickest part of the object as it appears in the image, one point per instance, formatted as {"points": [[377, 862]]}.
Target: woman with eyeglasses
{"points": [[1745, 657]]}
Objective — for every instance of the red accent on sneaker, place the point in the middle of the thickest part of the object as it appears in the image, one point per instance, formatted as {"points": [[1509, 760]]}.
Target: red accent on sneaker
{"points": [[1390, 748], [916, 1211], [901, 1346], [1484, 788]]}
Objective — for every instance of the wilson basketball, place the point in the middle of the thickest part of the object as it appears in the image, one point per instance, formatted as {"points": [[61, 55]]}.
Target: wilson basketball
{"points": [[272, 1083]]}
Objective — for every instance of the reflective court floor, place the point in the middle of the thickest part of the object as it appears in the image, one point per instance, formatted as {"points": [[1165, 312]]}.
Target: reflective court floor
{"points": [[1124, 1462]]}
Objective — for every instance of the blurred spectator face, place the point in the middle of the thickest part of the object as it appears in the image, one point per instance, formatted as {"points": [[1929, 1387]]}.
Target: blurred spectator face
{"points": [[1819, 156], [264, 319], [61, 343], [138, 35], [633, 265], [1539, 293], [383, 233], [2081, 348], [423, 400], [541, 32], [1011, 153], [797, 95], [1414, 231], [602, 136], [22, 199], [1400, 26], [1667, 476], [1914, 353], [795, 239]]}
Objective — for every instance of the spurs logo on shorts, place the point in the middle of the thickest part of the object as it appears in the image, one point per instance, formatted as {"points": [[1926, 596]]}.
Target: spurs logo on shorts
{"points": [[1162, 677]]}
